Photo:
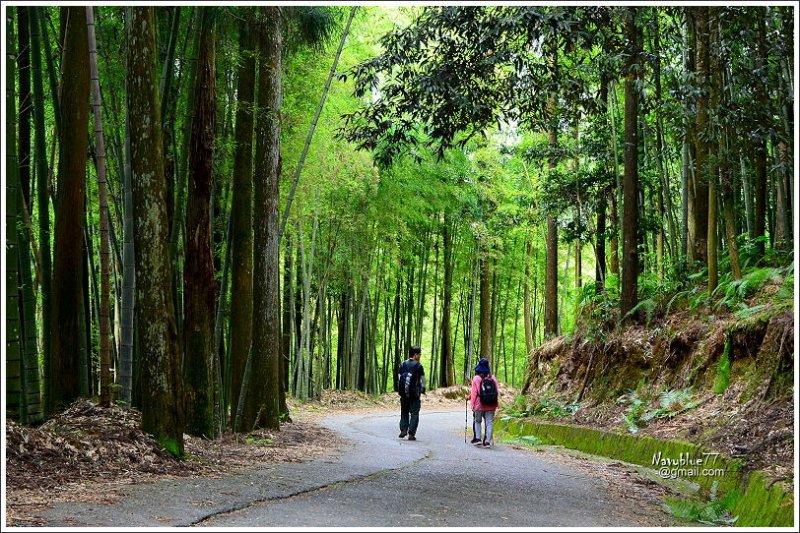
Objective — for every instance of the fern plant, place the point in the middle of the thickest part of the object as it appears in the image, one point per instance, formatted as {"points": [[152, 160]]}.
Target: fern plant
{"points": [[671, 403], [632, 417]]}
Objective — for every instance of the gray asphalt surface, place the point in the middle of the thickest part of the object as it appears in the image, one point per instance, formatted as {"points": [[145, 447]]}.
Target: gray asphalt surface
{"points": [[376, 480]]}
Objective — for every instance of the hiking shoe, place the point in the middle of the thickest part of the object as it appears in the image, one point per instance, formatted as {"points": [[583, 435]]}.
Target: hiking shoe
{"points": [[402, 434], [476, 440], [412, 437]]}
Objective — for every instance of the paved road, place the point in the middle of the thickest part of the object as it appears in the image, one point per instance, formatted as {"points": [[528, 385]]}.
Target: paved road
{"points": [[377, 480]]}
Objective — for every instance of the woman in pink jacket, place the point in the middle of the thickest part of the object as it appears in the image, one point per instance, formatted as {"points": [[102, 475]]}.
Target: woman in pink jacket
{"points": [[483, 397]]}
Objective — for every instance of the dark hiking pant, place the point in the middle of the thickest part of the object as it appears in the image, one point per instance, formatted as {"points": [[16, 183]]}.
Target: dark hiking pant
{"points": [[409, 414]]}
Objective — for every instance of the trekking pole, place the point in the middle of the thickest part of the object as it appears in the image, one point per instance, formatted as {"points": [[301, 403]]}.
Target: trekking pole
{"points": [[466, 403]]}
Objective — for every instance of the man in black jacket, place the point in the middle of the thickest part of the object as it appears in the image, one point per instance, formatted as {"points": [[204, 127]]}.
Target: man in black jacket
{"points": [[410, 385]]}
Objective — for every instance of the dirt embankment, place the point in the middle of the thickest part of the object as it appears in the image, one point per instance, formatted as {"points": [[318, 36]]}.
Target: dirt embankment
{"points": [[718, 381]]}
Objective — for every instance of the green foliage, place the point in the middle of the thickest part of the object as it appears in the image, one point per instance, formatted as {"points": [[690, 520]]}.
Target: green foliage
{"points": [[598, 311], [171, 445], [660, 297], [545, 407], [750, 312], [525, 440], [732, 293], [671, 403], [632, 417], [639, 413], [723, 369], [551, 408], [518, 407]]}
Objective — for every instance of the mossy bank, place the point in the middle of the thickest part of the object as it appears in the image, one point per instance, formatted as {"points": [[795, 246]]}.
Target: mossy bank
{"points": [[696, 381]]}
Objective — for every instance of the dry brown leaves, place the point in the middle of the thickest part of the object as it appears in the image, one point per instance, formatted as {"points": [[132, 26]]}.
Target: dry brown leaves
{"points": [[82, 443], [88, 452]]}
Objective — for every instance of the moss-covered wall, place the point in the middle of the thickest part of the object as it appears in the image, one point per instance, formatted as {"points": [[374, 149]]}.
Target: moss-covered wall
{"points": [[756, 503]]}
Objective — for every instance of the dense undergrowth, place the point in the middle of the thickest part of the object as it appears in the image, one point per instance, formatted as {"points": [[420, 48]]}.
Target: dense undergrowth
{"points": [[714, 369]]}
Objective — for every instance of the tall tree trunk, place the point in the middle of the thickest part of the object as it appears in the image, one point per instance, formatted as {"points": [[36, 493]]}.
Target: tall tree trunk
{"points": [[781, 200], [263, 395], [630, 223], [551, 291], [527, 319], [286, 326], [297, 317], [690, 146], [105, 267], [85, 319], [469, 325], [13, 351], [663, 190], [396, 326], [128, 276], [42, 195], [514, 345], [198, 275], [565, 276], [304, 355], [486, 306], [536, 313], [760, 144], [713, 163], [787, 115], [67, 263], [421, 292], [343, 339], [615, 196], [24, 116], [699, 227], [408, 312], [434, 331], [165, 86], [785, 148], [551, 294], [359, 355], [159, 348], [30, 368], [182, 174], [600, 247], [578, 208], [726, 157], [600, 211]]}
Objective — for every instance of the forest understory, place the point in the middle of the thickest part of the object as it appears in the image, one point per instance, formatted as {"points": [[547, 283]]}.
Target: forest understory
{"points": [[719, 379]]}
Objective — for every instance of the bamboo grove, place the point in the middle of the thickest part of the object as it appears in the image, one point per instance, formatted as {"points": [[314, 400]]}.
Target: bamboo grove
{"points": [[211, 209]]}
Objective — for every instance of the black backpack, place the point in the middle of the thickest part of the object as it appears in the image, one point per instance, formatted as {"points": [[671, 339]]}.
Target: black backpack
{"points": [[407, 381], [487, 392]]}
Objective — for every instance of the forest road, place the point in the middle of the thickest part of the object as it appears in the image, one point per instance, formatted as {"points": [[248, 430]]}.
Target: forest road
{"points": [[379, 480]]}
